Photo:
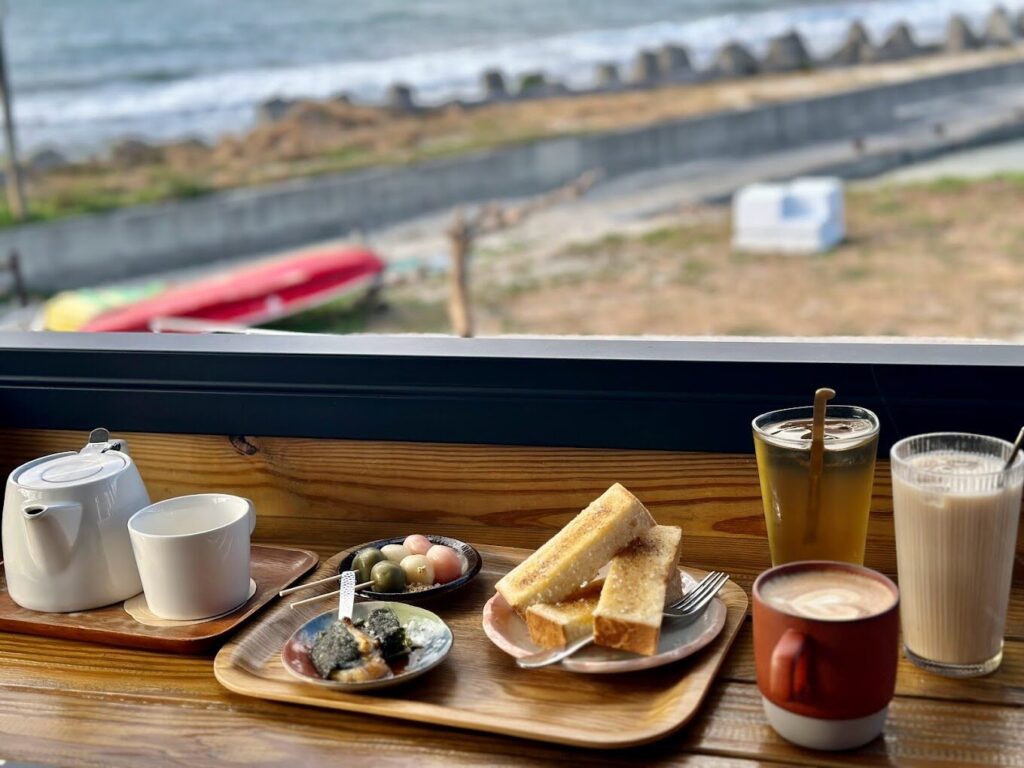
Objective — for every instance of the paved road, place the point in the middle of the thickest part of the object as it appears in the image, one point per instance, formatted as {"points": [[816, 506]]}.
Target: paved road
{"points": [[968, 164]]}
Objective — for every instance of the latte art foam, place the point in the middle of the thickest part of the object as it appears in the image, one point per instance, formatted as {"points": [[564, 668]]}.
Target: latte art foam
{"points": [[827, 595]]}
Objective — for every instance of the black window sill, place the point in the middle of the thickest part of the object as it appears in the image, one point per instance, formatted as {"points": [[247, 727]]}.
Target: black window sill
{"points": [[697, 395]]}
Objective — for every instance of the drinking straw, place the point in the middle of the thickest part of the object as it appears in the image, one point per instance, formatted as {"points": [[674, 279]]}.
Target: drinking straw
{"points": [[821, 397]]}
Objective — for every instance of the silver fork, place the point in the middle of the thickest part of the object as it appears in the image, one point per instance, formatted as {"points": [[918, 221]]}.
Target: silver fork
{"points": [[693, 603], [686, 610]]}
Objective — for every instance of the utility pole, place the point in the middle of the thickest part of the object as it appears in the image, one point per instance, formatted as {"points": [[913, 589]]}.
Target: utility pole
{"points": [[15, 190]]}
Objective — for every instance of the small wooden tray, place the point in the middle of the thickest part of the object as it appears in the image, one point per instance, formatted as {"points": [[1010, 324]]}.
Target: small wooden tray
{"points": [[273, 568], [479, 687]]}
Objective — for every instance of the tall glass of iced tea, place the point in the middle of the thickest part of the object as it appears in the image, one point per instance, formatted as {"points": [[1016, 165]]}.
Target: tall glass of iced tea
{"points": [[831, 521]]}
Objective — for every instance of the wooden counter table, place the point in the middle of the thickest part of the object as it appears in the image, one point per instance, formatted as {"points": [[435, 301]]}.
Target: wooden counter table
{"points": [[63, 702]]}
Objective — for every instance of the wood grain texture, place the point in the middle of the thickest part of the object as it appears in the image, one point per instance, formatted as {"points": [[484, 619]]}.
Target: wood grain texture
{"points": [[338, 491], [102, 733], [52, 665], [64, 702], [273, 568], [71, 728], [480, 688], [919, 732]]}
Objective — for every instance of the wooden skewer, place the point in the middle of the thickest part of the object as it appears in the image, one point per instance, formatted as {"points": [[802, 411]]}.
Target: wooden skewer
{"points": [[324, 596], [313, 599], [316, 583]]}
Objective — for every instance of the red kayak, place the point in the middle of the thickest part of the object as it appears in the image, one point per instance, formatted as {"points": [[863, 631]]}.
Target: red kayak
{"points": [[254, 294]]}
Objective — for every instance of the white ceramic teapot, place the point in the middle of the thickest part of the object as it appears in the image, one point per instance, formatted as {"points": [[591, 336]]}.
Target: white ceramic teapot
{"points": [[65, 528]]}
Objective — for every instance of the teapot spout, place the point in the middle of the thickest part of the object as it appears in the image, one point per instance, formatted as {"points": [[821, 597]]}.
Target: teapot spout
{"points": [[51, 531]]}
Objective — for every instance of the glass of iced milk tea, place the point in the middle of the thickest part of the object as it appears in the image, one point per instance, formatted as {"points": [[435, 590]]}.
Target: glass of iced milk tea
{"points": [[956, 511]]}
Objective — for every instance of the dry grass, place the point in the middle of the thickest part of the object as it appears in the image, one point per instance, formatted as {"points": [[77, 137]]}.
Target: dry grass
{"points": [[938, 259]]}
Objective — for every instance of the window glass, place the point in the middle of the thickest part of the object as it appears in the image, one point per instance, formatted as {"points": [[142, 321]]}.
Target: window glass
{"points": [[755, 168]]}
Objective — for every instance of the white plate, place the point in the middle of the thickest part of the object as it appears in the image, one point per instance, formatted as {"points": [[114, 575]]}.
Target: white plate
{"points": [[506, 630]]}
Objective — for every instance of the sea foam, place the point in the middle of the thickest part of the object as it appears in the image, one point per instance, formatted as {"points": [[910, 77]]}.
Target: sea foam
{"points": [[162, 97]]}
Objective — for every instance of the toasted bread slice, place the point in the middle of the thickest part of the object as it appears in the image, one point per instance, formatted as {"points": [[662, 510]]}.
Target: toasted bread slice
{"points": [[578, 551], [555, 625], [628, 613]]}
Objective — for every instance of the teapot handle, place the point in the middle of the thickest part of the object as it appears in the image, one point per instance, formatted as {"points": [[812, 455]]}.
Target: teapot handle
{"points": [[100, 442]]}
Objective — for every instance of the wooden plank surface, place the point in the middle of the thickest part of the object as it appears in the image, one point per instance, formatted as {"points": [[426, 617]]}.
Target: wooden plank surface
{"points": [[122, 726], [918, 732], [334, 491], [113, 732], [75, 703]]}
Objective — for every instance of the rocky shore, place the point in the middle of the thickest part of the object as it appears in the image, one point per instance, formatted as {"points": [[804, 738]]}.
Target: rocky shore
{"points": [[303, 138], [672, 64]]}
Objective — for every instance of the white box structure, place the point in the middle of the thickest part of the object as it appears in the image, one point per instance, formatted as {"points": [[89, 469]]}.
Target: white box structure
{"points": [[805, 215]]}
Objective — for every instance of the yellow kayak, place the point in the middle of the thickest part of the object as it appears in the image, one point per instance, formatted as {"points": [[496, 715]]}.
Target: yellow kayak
{"points": [[70, 310]]}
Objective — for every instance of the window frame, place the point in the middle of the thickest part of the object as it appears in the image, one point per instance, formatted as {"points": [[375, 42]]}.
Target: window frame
{"points": [[638, 393]]}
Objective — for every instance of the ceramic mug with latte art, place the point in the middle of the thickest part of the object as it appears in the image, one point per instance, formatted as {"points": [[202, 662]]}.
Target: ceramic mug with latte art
{"points": [[826, 648]]}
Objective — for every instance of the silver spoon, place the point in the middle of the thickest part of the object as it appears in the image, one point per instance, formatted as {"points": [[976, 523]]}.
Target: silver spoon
{"points": [[1017, 444], [347, 596], [1013, 455]]}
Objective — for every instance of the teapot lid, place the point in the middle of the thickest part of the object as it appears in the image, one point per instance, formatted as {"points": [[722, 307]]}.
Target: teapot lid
{"points": [[64, 470]]}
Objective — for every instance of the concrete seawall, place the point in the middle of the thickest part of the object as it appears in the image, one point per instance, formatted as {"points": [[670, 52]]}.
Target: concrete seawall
{"points": [[90, 249]]}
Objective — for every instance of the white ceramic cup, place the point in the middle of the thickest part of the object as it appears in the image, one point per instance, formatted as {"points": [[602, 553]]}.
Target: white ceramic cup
{"points": [[193, 554]]}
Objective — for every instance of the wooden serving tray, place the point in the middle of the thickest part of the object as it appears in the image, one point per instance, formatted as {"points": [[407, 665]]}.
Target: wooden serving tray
{"points": [[272, 568], [480, 688]]}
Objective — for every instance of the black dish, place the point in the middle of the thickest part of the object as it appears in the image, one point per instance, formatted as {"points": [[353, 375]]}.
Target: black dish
{"points": [[472, 557]]}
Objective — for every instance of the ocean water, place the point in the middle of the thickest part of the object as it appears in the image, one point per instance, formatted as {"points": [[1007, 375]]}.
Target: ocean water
{"points": [[86, 72]]}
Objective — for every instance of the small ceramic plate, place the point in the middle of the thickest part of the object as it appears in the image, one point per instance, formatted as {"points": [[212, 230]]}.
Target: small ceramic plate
{"points": [[431, 637], [507, 631], [470, 558]]}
